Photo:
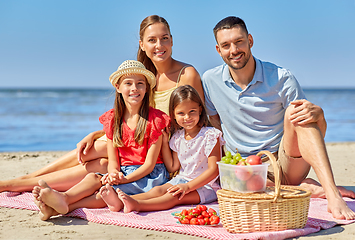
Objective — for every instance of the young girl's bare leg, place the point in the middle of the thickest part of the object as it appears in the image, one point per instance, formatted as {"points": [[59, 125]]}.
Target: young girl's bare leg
{"points": [[153, 193], [60, 201], [45, 211], [163, 202], [52, 198], [60, 180], [109, 195]]}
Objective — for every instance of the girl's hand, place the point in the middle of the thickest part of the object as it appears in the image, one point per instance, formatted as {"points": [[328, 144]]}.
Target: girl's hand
{"points": [[115, 178], [104, 179], [181, 189]]}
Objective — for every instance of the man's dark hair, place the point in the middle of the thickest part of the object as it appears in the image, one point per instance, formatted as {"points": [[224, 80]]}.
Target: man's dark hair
{"points": [[228, 23]]}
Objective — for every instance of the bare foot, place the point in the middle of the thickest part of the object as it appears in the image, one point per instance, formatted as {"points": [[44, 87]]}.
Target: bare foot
{"points": [[5, 186], [346, 192], [318, 191], [339, 209], [129, 203], [45, 211], [110, 197], [35, 192], [52, 198]]}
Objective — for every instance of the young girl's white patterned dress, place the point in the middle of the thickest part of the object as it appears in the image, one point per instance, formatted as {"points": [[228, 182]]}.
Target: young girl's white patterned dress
{"points": [[193, 156]]}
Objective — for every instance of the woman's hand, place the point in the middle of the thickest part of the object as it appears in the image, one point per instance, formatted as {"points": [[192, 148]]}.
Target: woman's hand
{"points": [[86, 143], [83, 147], [165, 134], [181, 189]]}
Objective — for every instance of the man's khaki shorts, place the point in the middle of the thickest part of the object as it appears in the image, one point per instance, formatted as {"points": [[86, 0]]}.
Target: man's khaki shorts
{"points": [[283, 161]]}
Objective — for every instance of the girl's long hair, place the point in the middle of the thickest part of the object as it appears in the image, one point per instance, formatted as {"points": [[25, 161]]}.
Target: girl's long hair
{"points": [[180, 94], [141, 55], [119, 108]]}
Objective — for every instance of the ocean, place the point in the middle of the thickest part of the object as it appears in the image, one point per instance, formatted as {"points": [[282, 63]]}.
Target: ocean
{"points": [[57, 119]]}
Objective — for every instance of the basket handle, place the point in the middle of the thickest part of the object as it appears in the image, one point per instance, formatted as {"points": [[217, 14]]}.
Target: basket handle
{"points": [[276, 172]]}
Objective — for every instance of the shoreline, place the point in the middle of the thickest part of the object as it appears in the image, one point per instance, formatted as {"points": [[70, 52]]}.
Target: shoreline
{"points": [[25, 224]]}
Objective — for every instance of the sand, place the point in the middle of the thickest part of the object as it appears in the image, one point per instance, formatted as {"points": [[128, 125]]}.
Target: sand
{"points": [[25, 224]]}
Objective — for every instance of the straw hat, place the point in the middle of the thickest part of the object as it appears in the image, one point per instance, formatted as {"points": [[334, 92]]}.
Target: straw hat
{"points": [[132, 67]]}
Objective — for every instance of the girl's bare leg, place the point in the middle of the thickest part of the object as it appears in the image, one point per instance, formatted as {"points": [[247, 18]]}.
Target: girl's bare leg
{"points": [[53, 202], [70, 159], [60, 180], [110, 196], [163, 202]]}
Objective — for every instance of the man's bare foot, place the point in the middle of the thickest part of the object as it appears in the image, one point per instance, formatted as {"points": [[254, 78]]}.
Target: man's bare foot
{"points": [[52, 198], [110, 197], [346, 192], [318, 191], [129, 204], [339, 209], [45, 211]]}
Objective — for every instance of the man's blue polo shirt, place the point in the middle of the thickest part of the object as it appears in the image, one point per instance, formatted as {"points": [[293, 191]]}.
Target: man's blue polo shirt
{"points": [[251, 119]]}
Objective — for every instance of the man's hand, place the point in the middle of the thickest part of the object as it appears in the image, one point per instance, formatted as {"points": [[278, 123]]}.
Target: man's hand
{"points": [[305, 112]]}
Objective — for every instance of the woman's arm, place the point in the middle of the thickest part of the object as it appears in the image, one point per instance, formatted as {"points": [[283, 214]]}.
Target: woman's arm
{"points": [[148, 165], [191, 77], [204, 178], [170, 159], [216, 122]]}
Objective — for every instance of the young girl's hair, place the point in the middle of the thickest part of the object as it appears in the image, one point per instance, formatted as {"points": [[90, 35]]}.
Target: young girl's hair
{"points": [[180, 94], [141, 55], [119, 108]]}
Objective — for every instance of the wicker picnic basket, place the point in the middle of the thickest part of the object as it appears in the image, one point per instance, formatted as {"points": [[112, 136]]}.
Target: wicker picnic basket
{"points": [[276, 209]]}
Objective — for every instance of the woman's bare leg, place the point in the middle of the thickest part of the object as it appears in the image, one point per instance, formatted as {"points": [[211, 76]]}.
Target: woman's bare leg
{"points": [[60, 180], [70, 159], [65, 161]]}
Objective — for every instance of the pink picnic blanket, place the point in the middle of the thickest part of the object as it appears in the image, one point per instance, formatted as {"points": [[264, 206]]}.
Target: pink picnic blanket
{"points": [[318, 218]]}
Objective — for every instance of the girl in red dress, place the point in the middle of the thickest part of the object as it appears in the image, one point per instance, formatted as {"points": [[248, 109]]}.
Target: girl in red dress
{"points": [[134, 139]]}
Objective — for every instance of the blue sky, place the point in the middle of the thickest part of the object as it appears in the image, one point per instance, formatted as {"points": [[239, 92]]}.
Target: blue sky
{"points": [[72, 43]]}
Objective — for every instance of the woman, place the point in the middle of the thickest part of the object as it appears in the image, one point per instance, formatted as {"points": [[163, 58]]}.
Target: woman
{"points": [[155, 52]]}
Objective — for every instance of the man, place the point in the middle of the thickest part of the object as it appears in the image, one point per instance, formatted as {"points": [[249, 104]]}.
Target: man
{"points": [[260, 106]]}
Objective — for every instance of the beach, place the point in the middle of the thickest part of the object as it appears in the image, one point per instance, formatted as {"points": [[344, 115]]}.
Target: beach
{"points": [[25, 224]]}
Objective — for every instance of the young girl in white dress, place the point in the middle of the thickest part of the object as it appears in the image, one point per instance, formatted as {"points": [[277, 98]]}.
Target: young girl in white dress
{"points": [[195, 149]]}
